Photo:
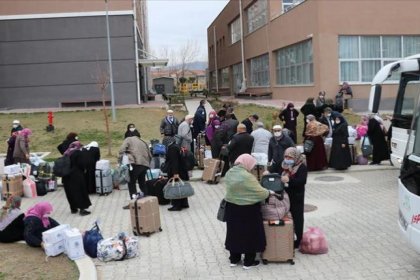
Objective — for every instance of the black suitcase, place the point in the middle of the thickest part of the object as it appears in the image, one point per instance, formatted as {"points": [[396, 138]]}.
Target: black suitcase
{"points": [[155, 187], [41, 187]]}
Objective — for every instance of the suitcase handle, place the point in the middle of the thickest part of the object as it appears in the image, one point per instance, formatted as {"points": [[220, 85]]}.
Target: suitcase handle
{"points": [[278, 223]]}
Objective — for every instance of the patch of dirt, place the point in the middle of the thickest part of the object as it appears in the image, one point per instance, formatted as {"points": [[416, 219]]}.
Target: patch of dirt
{"points": [[19, 261]]}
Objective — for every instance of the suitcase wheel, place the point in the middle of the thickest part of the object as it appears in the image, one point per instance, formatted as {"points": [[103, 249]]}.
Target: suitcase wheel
{"points": [[292, 262], [135, 233], [160, 229], [265, 262], [147, 234]]}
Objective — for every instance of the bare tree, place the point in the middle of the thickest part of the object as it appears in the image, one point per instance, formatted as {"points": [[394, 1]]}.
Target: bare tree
{"points": [[187, 54], [102, 82]]}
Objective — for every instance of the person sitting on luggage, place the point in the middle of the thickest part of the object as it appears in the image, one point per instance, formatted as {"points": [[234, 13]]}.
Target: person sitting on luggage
{"points": [[131, 131], [244, 223], [11, 220], [294, 177], [71, 137], [36, 221], [177, 170]]}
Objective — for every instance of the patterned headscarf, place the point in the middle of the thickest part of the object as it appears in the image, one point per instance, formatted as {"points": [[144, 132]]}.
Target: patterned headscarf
{"points": [[39, 210], [247, 161], [297, 157]]}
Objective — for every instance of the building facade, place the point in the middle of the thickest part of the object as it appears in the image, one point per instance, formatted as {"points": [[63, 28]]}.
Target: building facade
{"points": [[294, 49], [55, 53]]}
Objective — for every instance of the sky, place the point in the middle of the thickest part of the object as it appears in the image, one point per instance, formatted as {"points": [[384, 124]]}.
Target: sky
{"points": [[172, 23]]}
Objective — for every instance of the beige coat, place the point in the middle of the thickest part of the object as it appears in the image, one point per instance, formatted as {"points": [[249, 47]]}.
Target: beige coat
{"points": [[21, 150], [137, 150]]}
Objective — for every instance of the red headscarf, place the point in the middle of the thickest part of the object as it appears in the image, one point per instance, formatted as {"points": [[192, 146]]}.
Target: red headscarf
{"points": [[39, 210]]}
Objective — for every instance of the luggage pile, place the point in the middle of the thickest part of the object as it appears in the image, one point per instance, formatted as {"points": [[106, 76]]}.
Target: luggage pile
{"points": [[63, 239], [45, 179], [278, 226]]}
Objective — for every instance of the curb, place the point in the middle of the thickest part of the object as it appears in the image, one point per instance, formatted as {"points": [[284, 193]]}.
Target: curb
{"points": [[86, 268]]}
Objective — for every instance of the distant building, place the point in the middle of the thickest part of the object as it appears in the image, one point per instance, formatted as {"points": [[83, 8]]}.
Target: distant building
{"points": [[163, 85], [196, 79], [53, 52], [294, 49]]}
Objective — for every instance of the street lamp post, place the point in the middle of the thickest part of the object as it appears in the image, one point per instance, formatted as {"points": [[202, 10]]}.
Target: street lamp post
{"points": [[111, 82]]}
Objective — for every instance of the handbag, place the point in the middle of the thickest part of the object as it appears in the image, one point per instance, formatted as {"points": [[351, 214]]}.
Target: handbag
{"points": [[221, 212], [177, 189], [366, 147], [62, 167], [308, 146], [91, 239]]}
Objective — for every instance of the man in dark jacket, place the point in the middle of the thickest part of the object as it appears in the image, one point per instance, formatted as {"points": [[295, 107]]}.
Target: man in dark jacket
{"points": [[200, 116], [230, 126], [276, 147], [169, 128], [241, 143], [249, 122]]}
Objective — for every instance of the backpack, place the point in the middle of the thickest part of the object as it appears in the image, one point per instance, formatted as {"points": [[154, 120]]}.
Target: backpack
{"points": [[62, 166], [159, 149]]}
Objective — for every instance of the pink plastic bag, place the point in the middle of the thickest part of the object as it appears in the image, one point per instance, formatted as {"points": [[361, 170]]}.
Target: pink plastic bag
{"points": [[313, 242]]}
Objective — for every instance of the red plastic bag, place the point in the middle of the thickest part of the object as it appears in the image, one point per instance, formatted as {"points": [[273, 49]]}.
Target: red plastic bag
{"points": [[313, 242]]}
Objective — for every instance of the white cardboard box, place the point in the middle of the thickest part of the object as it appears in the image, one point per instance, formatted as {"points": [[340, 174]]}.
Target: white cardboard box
{"points": [[54, 235], [54, 249], [103, 164], [74, 244], [12, 169]]}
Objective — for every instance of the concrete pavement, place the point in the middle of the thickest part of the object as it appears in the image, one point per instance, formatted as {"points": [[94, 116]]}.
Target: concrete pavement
{"points": [[356, 209]]}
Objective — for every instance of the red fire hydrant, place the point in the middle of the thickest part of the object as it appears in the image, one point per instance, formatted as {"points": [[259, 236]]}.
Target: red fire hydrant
{"points": [[50, 126]]}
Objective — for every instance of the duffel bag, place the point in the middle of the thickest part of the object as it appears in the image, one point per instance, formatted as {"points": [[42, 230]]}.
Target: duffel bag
{"points": [[275, 209], [177, 189], [118, 248]]}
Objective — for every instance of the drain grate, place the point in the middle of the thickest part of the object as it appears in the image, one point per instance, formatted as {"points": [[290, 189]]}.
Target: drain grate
{"points": [[329, 178]]}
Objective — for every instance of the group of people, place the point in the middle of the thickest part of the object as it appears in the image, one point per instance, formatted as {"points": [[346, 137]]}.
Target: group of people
{"points": [[16, 225], [18, 145]]}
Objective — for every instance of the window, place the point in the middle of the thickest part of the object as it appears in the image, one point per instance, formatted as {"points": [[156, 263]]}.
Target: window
{"points": [[237, 77], [213, 80], [235, 31], [257, 15], [224, 78], [361, 57], [294, 65], [259, 71], [290, 4]]}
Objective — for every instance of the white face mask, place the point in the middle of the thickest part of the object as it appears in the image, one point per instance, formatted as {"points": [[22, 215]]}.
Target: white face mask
{"points": [[216, 126], [307, 121], [15, 125], [277, 134], [132, 129], [328, 115]]}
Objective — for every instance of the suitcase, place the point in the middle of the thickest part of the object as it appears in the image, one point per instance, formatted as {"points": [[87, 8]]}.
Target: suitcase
{"points": [[200, 150], [212, 170], [12, 185], [51, 185], [152, 174], [145, 216], [155, 187], [353, 154], [41, 187], [103, 164], [103, 180], [279, 242], [45, 170]]}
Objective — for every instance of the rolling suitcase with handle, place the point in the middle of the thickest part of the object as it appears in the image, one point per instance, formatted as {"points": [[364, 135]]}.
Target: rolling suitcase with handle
{"points": [[145, 216], [104, 184], [212, 170], [155, 187]]}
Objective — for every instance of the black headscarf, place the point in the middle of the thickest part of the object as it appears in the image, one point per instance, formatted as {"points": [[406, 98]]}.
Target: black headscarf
{"points": [[129, 133]]}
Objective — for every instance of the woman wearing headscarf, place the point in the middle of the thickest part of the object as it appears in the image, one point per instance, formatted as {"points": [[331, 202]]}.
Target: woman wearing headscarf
{"points": [[21, 151], [210, 129], [219, 139], [11, 221], [294, 177], [308, 109], [377, 132], [361, 129], [71, 137], [131, 131], [177, 170], [36, 221], [340, 157], [90, 154], [244, 223], [289, 117], [317, 158], [74, 183]]}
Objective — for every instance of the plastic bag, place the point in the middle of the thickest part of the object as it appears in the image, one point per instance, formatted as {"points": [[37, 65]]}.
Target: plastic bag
{"points": [[313, 242]]}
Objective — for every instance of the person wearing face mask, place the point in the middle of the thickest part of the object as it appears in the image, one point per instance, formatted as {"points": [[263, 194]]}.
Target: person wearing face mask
{"points": [[36, 221], [276, 147], [168, 128], [327, 118], [289, 117], [210, 127], [131, 131], [294, 175], [184, 131], [11, 142], [317, 158], [21, 152], [340, 157], [71, 137], [16, 126]]}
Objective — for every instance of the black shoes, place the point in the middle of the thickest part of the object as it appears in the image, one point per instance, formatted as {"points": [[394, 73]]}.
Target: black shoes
{"points": [[255, 263], [174, 208], [84, 212], [73, 211], [126, 207]]}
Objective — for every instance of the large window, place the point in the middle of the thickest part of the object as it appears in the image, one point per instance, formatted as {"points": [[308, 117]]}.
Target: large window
{"points": [[259, 71], [235, 30], [224, 78], [360, 57], [257, 15], [213, 80], [237, 77], [290, 4], [294, 64]]}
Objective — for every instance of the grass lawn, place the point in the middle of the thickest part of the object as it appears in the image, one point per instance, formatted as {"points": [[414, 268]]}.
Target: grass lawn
{"points": [[90, 126]]}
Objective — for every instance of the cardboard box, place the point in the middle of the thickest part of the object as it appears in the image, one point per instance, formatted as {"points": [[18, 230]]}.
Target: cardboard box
{"points": [[145, 215], [54, 249], [12, 185], [74, 244], [12, 169], [55, 234]]}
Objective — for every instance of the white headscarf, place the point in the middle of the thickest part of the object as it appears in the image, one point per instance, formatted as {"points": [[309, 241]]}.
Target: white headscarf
{"points": [[92, 144]]}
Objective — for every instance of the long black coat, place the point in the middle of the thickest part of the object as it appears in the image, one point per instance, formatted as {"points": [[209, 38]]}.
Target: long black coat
{"points": [[219, 139], [173, 157], [289, 117], [89, 159], [241, 143], [308, 109], [376, 136], [340, 158], [75, 184], [276, 148]]}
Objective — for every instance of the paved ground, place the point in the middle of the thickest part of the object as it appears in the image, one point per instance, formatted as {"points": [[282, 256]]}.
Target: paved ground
{"points": [[358, 213]]}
